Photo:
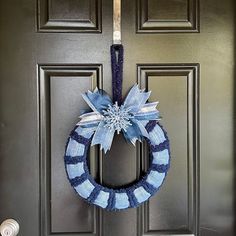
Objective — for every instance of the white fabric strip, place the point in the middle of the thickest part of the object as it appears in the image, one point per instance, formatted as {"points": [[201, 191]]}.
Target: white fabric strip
{"points": [[90, 118], [149, 107]]}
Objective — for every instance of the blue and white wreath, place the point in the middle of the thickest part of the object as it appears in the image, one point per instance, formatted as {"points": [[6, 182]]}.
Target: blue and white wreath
{"points": [[137, 120]]}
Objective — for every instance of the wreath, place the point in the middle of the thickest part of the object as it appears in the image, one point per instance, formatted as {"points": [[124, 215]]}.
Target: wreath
{"points": [[137, 120]]}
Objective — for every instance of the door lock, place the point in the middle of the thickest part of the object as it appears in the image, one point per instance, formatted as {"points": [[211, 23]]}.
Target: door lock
{"points": [[9, 227]]}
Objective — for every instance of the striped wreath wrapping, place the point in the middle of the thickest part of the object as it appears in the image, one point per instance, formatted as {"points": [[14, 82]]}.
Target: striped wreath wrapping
{"points": [[116, 199]]}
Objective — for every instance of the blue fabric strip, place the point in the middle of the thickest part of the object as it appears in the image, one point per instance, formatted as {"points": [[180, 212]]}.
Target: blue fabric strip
{"points": [[141, 194], [78, 180], [94, 194], [132, 199], [122, 201], [111, 201], [150, 125], [102, 199], [74, 160], [160, 147], [79, 138], [85, 189], [149, 188], [160, 168]]}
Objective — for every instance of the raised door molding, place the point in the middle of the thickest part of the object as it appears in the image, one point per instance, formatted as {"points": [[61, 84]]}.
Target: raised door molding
{"points": [[176, 86], [82, 16], [62, 211], [167, 16]]}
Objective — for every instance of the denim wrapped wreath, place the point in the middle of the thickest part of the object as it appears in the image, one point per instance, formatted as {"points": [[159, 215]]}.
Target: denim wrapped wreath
{"points": [[137, 120]]}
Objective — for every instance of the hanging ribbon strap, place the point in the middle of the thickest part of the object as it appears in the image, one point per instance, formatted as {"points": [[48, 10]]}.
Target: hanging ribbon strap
{"points": [[117, 57]]}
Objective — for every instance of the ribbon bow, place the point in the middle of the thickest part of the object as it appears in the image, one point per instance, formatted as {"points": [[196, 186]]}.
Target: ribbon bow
{"points": [[107, 118]]}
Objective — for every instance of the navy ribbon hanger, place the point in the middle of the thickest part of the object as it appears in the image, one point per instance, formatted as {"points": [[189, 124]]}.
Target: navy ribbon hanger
{"points": [[117, 58]]}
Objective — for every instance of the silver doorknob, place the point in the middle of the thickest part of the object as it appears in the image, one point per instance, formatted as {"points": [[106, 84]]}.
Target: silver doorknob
{"points": [[9, 227]]}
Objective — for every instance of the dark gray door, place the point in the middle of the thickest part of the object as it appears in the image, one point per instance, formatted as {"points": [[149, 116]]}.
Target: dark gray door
{"points": [[53, 50]]}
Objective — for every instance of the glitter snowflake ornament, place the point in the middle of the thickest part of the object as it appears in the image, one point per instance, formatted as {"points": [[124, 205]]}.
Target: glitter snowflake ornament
{"points": [[117, 118]]}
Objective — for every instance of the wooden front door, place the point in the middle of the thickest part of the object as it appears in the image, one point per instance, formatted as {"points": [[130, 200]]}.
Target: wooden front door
{"points": [[182, 50]]}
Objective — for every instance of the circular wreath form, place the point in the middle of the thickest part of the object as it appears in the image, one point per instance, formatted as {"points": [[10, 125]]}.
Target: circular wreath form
{"points": [[117, 199]]}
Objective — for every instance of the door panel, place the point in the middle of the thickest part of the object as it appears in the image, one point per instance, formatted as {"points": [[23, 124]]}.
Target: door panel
{"points": [[79, 16], [175, 84], [55, 111], [182, 50], [169, 16]]}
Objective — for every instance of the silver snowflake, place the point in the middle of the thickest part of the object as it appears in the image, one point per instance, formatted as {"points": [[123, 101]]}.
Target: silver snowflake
{"points": [[117, 117]]}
